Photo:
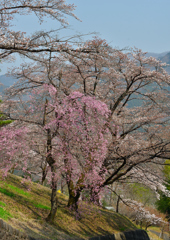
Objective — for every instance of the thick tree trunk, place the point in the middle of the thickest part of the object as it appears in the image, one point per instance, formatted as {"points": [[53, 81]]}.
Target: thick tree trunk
{"points": [[54, 199], [54, 206], [51, 162], [74, 191], [73, 199]]}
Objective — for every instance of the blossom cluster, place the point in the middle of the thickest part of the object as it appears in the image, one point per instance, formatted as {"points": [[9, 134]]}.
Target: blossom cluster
{"points": [[142, 215]]}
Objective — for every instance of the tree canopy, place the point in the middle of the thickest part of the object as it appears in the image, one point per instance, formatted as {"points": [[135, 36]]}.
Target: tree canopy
{"points": [[94, 114]]}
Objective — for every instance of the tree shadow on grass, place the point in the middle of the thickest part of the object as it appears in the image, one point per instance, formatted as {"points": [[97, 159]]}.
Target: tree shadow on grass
{"points": [[118, 221], [95, 221]]}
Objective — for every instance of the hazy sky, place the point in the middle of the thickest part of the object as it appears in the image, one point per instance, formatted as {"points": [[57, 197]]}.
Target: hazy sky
{"points": [[144, 24]]}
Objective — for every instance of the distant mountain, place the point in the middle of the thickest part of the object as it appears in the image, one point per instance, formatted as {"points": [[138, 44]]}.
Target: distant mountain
{"points": [[7, 81], [166, 58], [156, 55], [2, 88]]}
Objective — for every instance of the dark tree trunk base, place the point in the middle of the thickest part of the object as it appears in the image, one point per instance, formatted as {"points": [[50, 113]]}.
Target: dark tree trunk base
{"points": [[53, 211], [73, 203]]}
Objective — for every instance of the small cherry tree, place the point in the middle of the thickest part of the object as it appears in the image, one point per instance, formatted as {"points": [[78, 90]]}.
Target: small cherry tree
{"points": [[142, 216]]}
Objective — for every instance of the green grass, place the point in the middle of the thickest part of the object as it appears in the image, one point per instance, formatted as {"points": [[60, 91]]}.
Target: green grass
{"points": [[6, 192], [17, 190], [41, 206], [2, 204], [27, 211], [4, 214]]}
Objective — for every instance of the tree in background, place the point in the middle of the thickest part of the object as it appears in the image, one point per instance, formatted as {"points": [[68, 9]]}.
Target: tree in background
{"points": [[117, 192], [142, 216]]}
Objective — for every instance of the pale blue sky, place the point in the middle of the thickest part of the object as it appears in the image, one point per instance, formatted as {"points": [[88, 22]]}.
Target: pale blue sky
{"points": [[144, 24]]}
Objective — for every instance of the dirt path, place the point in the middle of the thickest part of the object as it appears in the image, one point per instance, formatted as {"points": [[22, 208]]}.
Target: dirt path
{"points": [[165, 235]]}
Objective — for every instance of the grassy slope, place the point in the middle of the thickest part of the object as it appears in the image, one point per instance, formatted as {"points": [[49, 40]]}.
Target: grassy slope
{"points": [[26, 210]]}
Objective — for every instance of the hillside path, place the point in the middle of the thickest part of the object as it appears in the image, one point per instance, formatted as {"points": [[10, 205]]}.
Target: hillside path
{"points": [[165, 235]]}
